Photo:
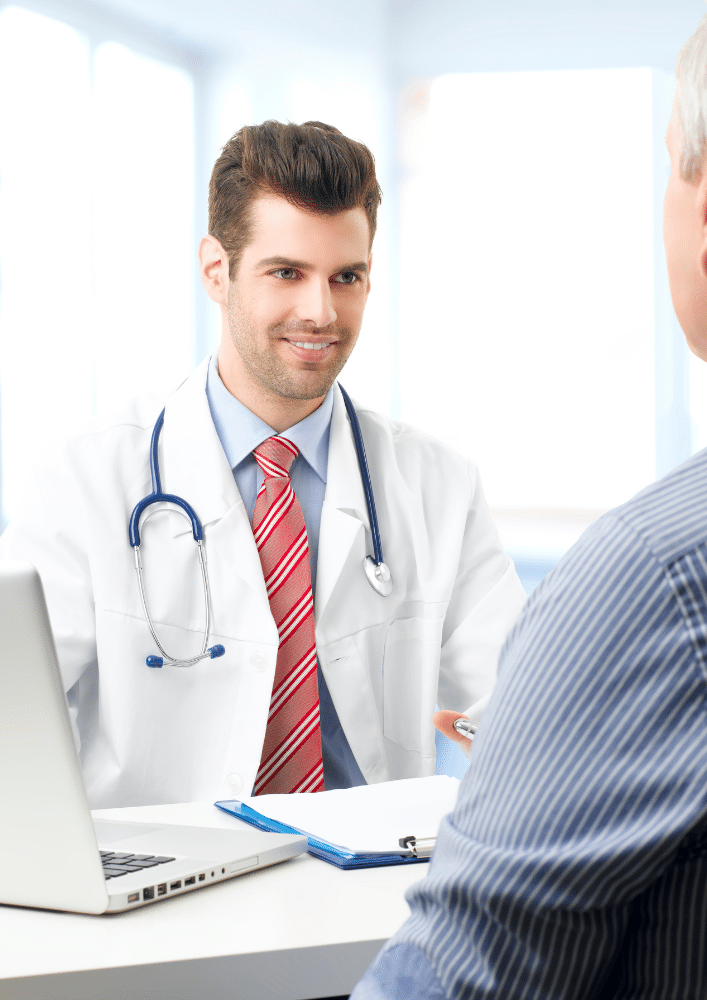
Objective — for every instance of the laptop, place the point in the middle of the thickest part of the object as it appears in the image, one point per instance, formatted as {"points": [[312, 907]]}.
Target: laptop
{"points": [[52, 853]]}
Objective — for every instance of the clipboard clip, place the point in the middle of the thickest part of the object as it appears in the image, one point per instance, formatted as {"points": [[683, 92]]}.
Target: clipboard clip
{"points": [[421, 847]]}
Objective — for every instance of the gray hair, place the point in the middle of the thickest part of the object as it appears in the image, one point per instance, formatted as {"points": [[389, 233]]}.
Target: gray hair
{"points": [[691, 72]]}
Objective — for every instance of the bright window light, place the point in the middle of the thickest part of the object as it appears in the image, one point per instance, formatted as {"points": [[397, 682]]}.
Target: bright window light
{"points": [[527, 247], [698, 401], [144, 256], [96, 240], [45, 238]]}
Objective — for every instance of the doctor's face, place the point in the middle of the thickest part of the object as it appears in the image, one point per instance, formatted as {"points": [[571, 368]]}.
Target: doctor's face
{"points": [[295, 305]]}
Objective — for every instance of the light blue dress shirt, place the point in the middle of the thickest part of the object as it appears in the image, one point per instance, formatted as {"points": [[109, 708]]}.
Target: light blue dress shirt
{"points": [[240, 431]]}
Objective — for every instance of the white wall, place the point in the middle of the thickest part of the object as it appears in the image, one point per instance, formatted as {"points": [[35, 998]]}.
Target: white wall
{"points": [[431, 37]]}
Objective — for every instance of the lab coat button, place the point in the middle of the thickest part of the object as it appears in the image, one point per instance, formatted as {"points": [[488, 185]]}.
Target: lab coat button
{"points": [[234, 783], [259, 660]]}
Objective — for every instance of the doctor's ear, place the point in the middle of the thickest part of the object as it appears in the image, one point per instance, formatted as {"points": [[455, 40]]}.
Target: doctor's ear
{"points": [[213, 267]]}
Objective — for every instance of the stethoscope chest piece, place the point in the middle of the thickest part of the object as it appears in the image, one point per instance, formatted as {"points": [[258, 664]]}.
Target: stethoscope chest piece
{"points": [[378, 575]]}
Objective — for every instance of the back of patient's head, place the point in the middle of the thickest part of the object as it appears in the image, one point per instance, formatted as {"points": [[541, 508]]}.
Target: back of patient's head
{"points": [[691, 72], [313, 165]]}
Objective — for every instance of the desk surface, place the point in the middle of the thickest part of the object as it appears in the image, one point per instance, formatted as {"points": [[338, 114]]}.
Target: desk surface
{"points": [[301, 929]]}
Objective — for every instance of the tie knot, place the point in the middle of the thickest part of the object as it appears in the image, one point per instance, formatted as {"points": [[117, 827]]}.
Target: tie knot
{"points": [[275, 456]]}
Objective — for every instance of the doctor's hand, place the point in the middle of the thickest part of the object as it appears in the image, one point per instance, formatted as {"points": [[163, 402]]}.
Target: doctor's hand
{"points": [[444, 721]]}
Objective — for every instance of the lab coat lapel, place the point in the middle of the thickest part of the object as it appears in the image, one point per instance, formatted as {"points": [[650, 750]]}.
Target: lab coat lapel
{"points": [[192, 461], [194, 466], [342, 548], [344, 514]]}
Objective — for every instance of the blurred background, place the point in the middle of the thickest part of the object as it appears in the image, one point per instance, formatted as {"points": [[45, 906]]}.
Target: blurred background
{"points": [[520, 308]]}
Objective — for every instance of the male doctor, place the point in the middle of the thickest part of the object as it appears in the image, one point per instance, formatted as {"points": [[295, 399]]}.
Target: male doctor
{"points": [[308, 694]]}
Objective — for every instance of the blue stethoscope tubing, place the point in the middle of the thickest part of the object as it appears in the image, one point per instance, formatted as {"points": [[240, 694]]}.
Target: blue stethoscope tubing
{"points": [[157, 496], [375, 568]]}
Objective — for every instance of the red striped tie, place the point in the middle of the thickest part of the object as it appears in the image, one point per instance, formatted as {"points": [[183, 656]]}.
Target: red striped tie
{"points": [[292, 751]]}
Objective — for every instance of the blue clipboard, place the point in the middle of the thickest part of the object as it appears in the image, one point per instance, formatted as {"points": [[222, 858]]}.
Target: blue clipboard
{"points": [[332, 853]]}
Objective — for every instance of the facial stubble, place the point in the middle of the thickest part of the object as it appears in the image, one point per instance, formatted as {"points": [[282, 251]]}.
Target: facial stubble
{"points": [[267, 368]]}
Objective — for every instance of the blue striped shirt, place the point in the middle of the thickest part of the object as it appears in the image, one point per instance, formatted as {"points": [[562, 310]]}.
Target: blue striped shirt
{"points": [[575, 862]]}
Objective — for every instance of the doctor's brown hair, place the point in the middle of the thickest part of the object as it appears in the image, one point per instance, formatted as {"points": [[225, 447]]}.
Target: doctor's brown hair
{"points": [[313, 166]]}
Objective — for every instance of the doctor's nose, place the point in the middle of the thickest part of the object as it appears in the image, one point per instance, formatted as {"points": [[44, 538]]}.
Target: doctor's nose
{"points": [[315, 303]]}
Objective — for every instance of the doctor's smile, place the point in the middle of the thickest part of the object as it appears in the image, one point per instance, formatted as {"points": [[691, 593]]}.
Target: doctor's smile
{"points": [[311, 345], [311, 351]]}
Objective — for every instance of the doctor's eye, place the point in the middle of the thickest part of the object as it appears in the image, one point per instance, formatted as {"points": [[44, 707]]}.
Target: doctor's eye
{"points": [[346, 277], [287, 273]]}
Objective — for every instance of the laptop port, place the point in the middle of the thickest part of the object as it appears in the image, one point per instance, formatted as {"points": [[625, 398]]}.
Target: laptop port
{"points": [[149, 893], [175, 885], [133, 897], [190, 881], [162, 889], [202, 877]]}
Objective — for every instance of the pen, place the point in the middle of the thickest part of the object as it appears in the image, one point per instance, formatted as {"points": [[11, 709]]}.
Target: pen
{"points": [[466, 727]]}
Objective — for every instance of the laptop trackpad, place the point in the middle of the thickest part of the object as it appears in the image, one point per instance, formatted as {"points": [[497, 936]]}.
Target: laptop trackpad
{"points": [[113, 831], [194, 841]]}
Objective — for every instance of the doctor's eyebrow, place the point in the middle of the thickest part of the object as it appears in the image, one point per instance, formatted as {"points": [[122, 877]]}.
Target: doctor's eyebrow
{"points": [[301, 265]]}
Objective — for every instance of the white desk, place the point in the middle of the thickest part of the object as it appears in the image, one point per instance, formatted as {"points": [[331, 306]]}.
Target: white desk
{"points": [[297, 930]]}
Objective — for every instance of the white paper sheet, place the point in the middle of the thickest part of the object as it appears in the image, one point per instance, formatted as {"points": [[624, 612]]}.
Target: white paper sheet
{"points": [[367, 819]]}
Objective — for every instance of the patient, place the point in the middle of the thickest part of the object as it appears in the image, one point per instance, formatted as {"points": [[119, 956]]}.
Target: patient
{"points": [[575, 863]]}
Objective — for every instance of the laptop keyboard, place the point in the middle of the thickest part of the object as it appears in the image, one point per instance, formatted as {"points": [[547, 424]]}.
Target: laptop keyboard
{"points": [[116, 864]]}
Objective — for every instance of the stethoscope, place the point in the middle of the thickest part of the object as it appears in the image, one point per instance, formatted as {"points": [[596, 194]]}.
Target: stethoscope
{"points": [[375, 568]]}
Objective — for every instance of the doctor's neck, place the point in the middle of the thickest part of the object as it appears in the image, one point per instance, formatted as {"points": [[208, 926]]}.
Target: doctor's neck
{"points": [[275, 403]]}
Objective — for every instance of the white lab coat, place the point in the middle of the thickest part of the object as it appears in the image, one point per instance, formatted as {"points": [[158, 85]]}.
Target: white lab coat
{"points": [[169, 735]]}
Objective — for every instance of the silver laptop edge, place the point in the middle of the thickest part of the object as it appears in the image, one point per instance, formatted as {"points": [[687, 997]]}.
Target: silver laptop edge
{"points": [[50, 854]]}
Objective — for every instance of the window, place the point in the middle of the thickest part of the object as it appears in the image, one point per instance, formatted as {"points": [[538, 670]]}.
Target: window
{"points": [[96, 232], [533, 293]]}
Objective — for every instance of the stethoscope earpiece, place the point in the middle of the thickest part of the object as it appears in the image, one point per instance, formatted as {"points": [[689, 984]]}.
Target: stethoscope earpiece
{"points": [[213, 651]]}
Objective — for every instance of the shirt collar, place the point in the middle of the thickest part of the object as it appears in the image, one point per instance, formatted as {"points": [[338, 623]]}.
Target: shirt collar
{"points": [[240, 430]]}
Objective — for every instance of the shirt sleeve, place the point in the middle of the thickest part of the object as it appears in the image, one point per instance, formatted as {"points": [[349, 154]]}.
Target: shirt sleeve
{"points": [[401, 972], [588, 774]]}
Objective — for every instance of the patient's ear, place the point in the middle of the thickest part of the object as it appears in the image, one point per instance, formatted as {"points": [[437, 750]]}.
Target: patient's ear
{"points": [[701, 206]]}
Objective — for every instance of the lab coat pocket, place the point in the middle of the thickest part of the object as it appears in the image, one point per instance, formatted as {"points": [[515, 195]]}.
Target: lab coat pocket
{"points": [[410, 674], [343, 664]]}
